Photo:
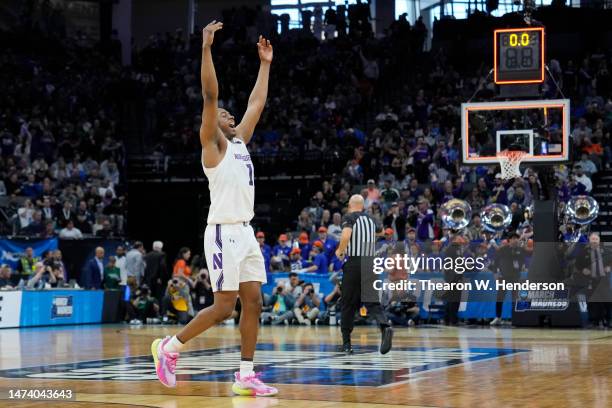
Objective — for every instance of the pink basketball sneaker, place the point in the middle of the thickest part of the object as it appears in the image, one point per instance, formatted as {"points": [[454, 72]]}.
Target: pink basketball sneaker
{"points": [[165, 363], [252, 385]]}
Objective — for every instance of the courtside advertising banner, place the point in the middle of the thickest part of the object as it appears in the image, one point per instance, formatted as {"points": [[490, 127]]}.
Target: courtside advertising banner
{"points": [[10, 309], [12, 250]]}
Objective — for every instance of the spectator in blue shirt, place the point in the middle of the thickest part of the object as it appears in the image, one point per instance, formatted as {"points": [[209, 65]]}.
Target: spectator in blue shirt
{"points": [[423, 219], [563, 192], [414, 191], [304, 243], [31, 188], [571, 231], [295, 260], [386, 243], [576, 188], [280, 253], [317, 262], [266, 251], [499, 194], [329, 244]]}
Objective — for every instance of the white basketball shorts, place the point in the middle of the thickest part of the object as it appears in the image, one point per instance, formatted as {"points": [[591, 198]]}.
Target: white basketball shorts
{"points": [[233, 256]]}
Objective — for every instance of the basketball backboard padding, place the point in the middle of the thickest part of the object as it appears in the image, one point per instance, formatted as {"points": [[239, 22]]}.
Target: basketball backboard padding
{"points": [[541, 126]]}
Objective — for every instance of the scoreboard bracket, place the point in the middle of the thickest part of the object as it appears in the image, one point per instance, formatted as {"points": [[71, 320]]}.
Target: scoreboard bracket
{"points": [[519, 91]]}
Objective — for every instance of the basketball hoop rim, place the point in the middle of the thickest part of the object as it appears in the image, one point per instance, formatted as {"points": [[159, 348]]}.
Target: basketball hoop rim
{"points": [[510, 161], [512, 155]]}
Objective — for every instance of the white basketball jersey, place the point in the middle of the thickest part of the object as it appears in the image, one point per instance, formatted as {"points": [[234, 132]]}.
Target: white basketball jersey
{"points": [[232, 186]]}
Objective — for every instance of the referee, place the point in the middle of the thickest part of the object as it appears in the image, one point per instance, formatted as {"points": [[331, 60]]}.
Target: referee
{"points": [[358, 242]]}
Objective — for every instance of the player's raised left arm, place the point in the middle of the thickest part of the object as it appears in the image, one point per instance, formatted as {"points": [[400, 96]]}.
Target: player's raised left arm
{"points": [[257, 100]]}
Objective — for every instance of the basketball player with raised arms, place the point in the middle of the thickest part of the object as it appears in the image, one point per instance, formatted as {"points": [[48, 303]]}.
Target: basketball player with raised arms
{"points": [[232, 253]]}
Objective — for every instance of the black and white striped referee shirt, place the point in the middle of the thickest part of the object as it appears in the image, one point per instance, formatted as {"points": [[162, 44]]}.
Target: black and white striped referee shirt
{"points": [[363, 237]]}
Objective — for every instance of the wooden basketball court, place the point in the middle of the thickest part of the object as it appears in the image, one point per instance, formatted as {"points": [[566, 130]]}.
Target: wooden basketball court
{"points": [[430, 366]]}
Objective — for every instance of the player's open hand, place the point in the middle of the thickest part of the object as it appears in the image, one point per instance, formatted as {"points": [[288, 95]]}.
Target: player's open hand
{"points": [[264, 48], [208, 33]]}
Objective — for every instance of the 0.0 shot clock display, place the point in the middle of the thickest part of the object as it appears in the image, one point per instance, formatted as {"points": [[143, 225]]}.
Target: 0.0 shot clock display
{"points": [[519, 55]]}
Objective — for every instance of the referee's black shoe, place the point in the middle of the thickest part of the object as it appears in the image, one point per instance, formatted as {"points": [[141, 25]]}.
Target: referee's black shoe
{"points": [[386, 339], [346, 348]]}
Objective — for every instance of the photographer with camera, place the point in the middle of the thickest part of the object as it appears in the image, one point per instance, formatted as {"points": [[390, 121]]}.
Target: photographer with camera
{"points": [[143, 308], [176, 301], [55, 268], [47, 259], [59, 278], [59, 264], [332, 303], [293, 287], [202, 291], [306, 307], [43, 275], [282, 305], [401, 307]]}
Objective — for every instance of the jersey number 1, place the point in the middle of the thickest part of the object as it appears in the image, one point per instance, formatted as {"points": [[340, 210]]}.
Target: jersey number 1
{"points": [[250, 167]]}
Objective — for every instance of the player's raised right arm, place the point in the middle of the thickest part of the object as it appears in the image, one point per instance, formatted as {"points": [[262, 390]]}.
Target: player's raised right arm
{"points": [[210, 88]]}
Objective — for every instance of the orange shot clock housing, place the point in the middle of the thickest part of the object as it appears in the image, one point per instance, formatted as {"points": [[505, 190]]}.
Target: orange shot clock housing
{"points": [[519, 55]]}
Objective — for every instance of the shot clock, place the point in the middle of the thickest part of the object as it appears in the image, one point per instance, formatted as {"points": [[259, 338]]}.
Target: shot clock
{"points": [[519, 55]]}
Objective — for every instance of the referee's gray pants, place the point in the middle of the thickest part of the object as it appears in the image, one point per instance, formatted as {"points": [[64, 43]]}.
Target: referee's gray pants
{"points": [[351, 295]]}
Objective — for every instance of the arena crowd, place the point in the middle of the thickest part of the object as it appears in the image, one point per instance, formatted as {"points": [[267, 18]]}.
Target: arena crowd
{"points": [[392, 116]]}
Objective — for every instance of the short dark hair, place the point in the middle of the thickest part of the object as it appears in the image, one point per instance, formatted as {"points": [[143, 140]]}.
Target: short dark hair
{"points": [[292, 274], [137, 245]]}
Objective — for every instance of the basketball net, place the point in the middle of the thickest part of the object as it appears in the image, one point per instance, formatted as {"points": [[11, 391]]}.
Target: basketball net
{"points": [[510, 160]]}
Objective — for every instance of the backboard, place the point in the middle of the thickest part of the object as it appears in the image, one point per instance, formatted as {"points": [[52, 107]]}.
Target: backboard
{"points": [[539, 127]]}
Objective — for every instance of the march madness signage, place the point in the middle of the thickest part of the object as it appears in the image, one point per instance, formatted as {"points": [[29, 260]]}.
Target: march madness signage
{"points": [[542, 300], [61, 307]]}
